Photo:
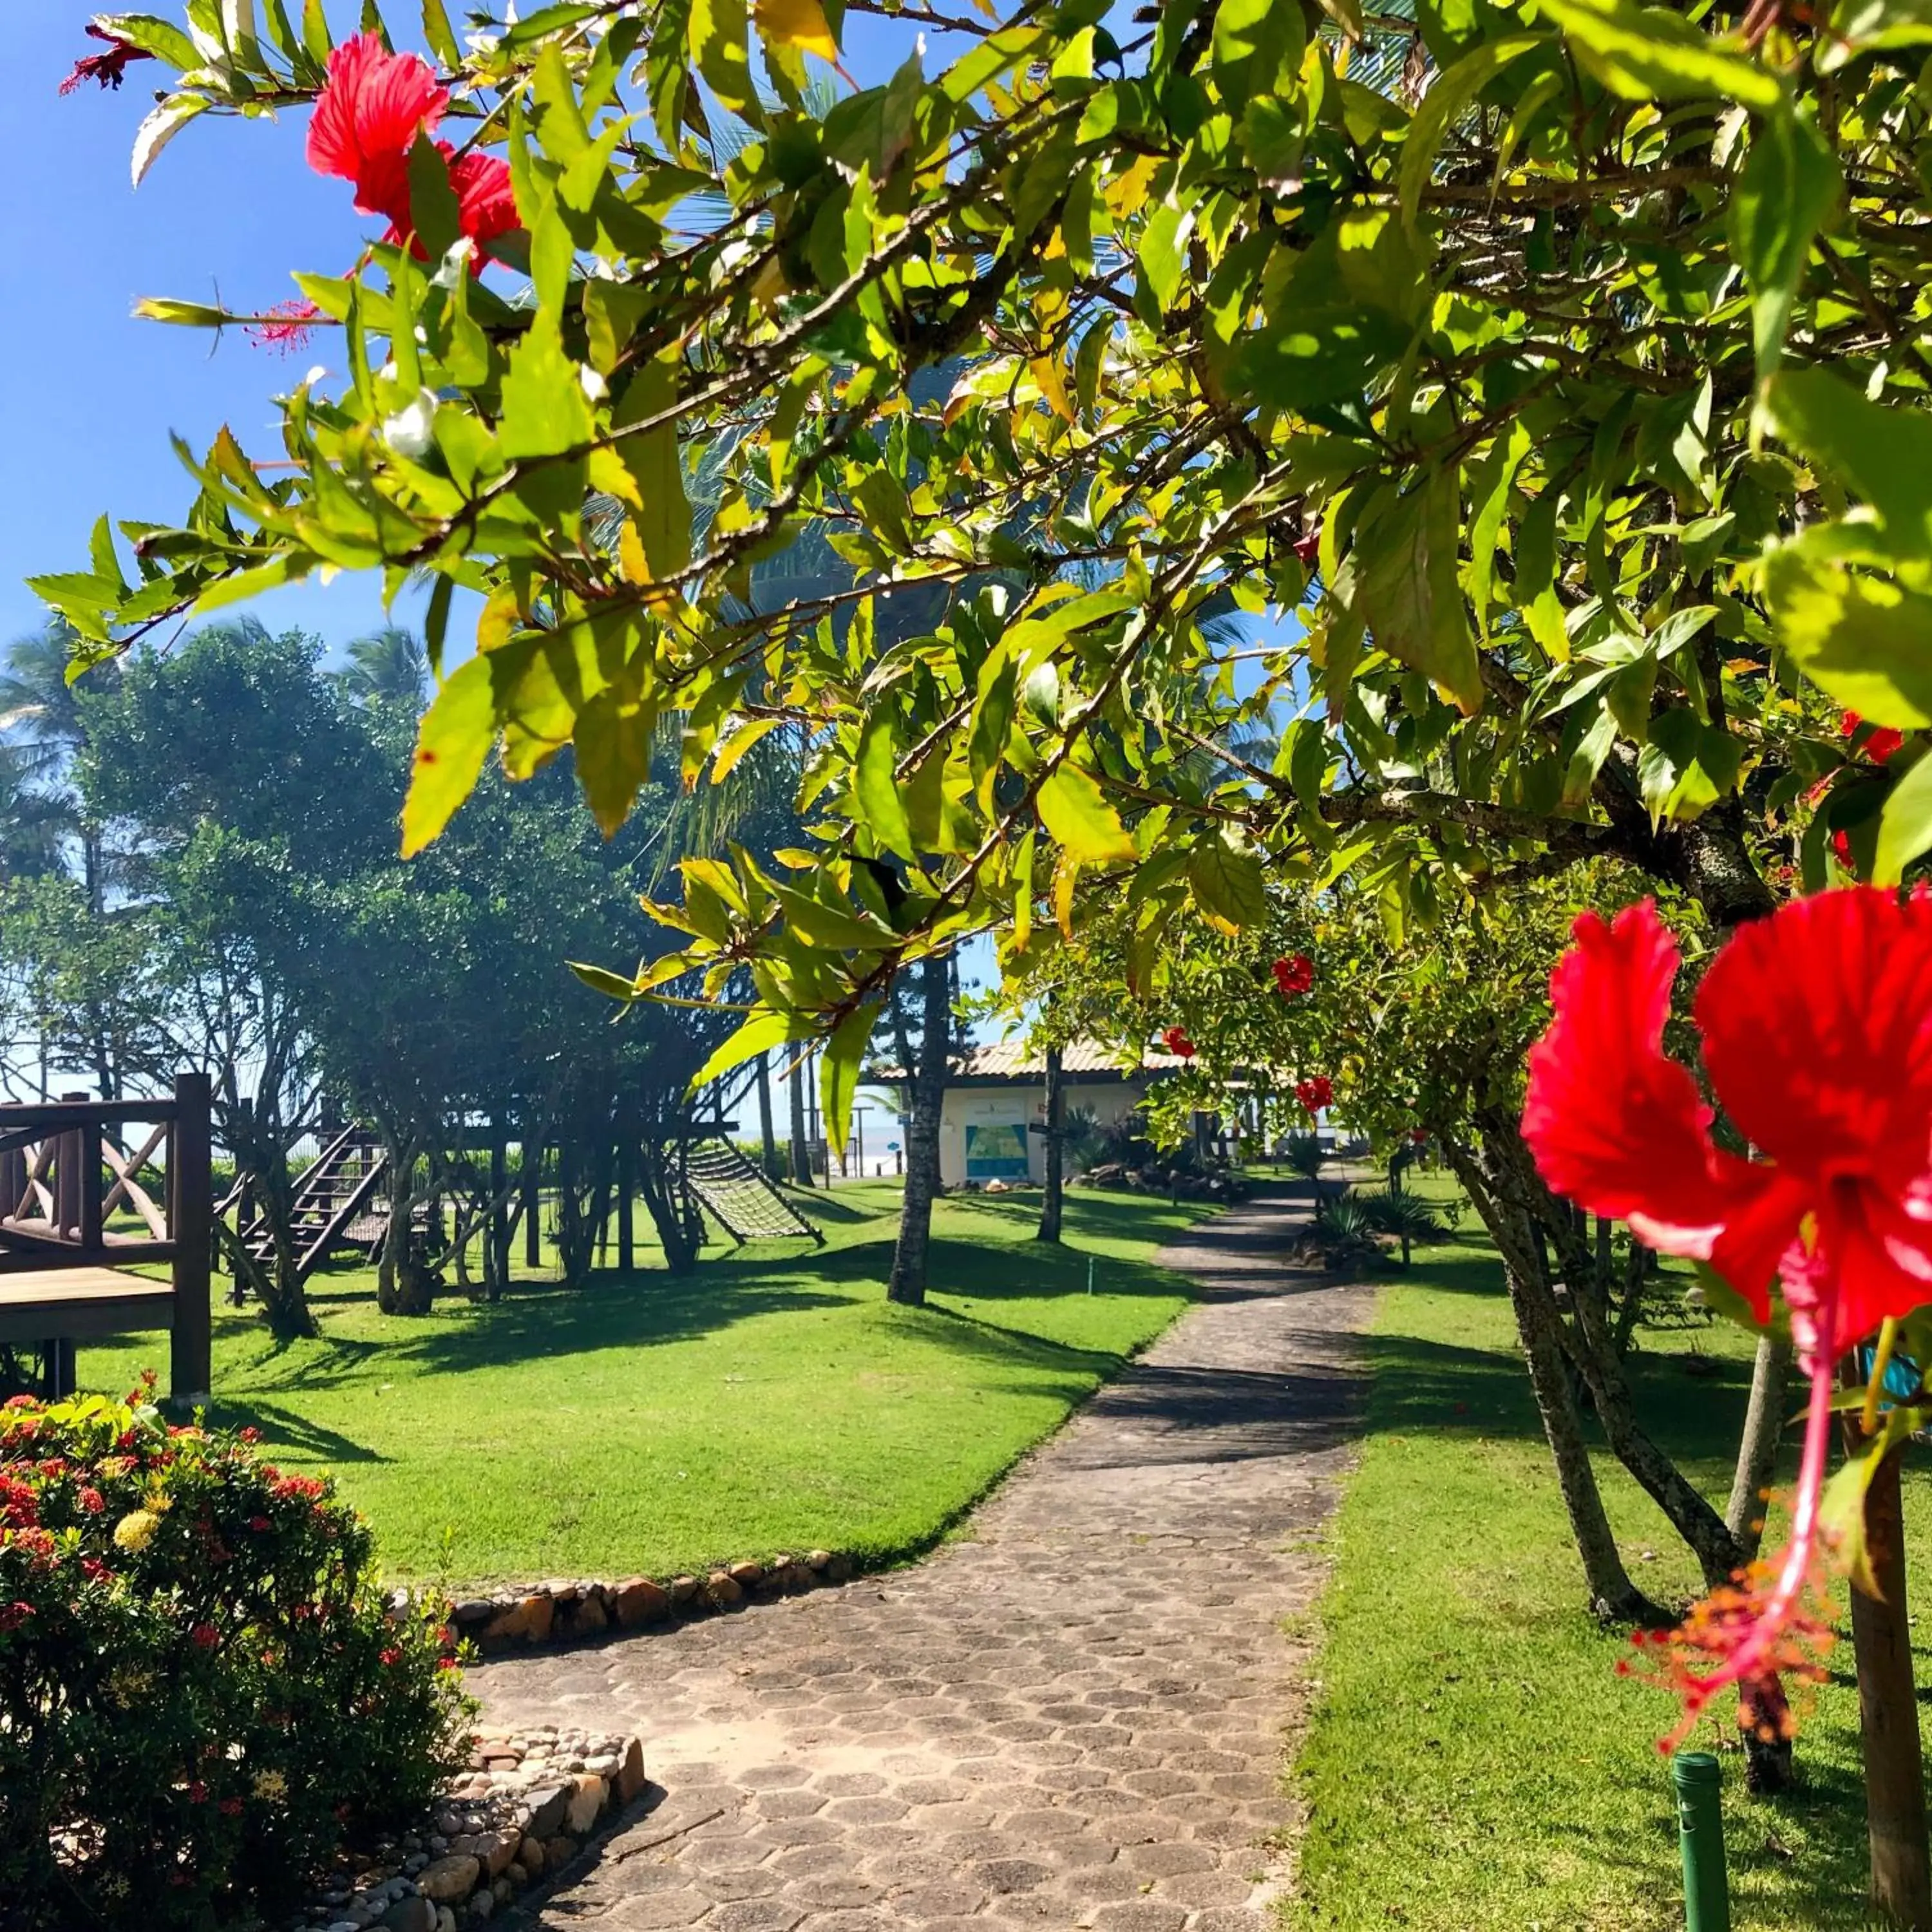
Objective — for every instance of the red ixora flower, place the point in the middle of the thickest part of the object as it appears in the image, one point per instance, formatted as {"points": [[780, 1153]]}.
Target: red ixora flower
{"points": [[1315, 1093], [367, 117], [1881, 741], [1176, 1041], [1293, 975], [108, 69], [204, 1637], [1817, 1026]]}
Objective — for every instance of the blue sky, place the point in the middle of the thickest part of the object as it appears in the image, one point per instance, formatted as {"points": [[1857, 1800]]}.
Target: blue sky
{"points": [[230, 206]]}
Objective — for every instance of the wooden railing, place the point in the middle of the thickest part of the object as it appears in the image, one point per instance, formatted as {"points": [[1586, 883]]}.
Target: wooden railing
{"points": [[69, 1168]]}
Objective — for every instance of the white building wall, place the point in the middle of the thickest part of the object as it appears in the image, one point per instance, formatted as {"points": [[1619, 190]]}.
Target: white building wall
{"points": [[999, 1117]]}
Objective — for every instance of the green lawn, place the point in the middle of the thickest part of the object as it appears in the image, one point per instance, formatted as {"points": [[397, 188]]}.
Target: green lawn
{"points": [[1473, 1761], [772, 1401]]}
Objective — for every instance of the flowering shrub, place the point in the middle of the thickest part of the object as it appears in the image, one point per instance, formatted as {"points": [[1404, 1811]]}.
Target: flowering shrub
{"points": [[1816, 1034], [201, 1690]]}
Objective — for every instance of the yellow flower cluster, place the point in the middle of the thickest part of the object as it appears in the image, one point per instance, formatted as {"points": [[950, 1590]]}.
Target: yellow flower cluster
{"points": [[135, 1530]]}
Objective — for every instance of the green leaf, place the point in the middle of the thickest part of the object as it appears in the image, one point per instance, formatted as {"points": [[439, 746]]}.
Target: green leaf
{"points": [[440, 36], [452, 742], [1841, 1509], [545, 411], [1787, 188], [1647, 53], [759, 1034], [720, 36], [1904, 825], [1409, 588], [1864, 639], [839, 1072], [433, 204], [601, 979], [1074, 810], [1163, 251], [661, 509], [612, 742], [1687, 766], [882, 808], [1228, 881], [163, 124], [1883, 455]]}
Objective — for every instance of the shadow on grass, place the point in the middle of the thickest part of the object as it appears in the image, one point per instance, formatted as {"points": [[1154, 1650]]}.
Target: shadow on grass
{"points": [[284, 1429]]}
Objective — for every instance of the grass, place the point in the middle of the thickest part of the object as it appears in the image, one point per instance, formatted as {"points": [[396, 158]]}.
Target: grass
{"points": [[772, 1401], [1473, 1761]]}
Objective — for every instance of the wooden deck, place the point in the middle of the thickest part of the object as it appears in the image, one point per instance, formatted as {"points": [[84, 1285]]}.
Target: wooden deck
{"points": [[81, 1304]]}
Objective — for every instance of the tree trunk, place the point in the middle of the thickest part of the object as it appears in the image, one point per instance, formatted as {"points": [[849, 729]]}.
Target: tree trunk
{"points": [[403, 1285], [679, 1230], [801, 1140], [1051, 1196], [1757, 1453], [1613, 1597], [767, 1138], [906, 1284], [1511, 1180], [1895, 1820]]}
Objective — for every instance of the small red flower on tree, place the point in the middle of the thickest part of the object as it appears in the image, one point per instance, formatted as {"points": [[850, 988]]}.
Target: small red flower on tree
{"points": [[1881, 741], [1177, 1042], [1817, 1026], [371, 109], [1315, 1093], [1293, 977], [109, 69]]}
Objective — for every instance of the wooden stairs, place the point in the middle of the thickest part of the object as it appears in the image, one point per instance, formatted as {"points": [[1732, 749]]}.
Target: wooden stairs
{"points": [[330, 1197]]}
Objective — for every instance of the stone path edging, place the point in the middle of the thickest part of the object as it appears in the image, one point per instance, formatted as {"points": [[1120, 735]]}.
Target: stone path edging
{"points": [[1075, 1715]]}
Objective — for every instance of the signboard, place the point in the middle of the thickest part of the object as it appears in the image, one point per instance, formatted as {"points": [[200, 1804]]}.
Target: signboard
{"points": [[996, 1150]]}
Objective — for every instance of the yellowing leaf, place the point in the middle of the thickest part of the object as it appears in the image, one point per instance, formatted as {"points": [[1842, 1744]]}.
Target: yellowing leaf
{"points": [[1074, 809], [797, 23], [451, 742]]}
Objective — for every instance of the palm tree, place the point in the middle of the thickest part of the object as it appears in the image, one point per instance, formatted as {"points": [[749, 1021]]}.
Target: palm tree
{"points": [[44, 727], [388, 667], [34, 823]]}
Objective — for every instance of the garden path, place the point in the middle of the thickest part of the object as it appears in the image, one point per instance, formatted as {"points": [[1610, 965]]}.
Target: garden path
{"points": [[1075, 1715]]}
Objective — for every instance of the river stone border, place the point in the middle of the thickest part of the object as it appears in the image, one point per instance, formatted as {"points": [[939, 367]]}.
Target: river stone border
{"points": [[523, 1810], [561, 1613]]}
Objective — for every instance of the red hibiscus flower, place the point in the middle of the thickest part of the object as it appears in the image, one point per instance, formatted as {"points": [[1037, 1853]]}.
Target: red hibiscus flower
{"points": [[390, 1657], [1817, 1026], [367, 117], [204, 1637], [1315, 1093], [109, 69], [1881, 741], [1176, 1041], [1293, 975]]}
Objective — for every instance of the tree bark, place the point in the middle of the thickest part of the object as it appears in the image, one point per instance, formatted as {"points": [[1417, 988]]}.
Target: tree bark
{"points": [[767, 1137], [1512, 1181], [801, 1140], [1757, 1453], [1613, 1597], [1895, 1820], [1052, 1193], [906, 1284]]}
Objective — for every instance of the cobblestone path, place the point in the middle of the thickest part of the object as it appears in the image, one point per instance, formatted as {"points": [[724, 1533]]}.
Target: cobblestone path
{"points": [[1074, 1717]]}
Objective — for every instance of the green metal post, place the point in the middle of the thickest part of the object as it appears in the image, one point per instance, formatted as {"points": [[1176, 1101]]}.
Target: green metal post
{"points": [[1700, 1830]]}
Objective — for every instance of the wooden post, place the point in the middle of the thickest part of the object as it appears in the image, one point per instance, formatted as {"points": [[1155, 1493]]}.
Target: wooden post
{"points": [[1895, 1819], [70, 1164], [532, 1202], [498, 1233], [191, 1227], [627, 1183]]}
